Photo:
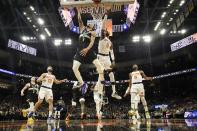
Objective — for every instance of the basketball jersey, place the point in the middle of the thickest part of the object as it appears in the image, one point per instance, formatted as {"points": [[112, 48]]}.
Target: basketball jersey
{"points": [[136, 77], [48, 80], [33, 87], [104, 46], [84, 39]]}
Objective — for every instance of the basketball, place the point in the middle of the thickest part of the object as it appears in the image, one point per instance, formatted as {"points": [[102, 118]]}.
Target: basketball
{"points": [[96, 1]]}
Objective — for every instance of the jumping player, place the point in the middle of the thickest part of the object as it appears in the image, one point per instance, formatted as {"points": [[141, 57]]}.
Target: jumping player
{"points": [[105, 51], [47, 80], [85, 54], [137, 88], [32, 94]]}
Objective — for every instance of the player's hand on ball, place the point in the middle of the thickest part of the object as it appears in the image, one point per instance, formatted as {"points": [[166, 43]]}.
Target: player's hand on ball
{"points": [[84, 52]]}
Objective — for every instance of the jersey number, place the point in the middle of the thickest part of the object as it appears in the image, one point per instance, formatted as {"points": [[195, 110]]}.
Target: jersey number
{"points": [[135, 76], [50, 81]]}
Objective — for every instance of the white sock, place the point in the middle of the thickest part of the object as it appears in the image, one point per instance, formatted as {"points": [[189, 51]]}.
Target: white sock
{"points": [[50, 113]]}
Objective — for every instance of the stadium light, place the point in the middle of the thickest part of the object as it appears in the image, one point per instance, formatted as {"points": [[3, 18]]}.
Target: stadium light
{"points": [[163, 15], [40, 21], [147, 38], [136, 38], [171, 1], [24, 38], [42, 37], [157, 26], [32, 8], [47, 31], [125, 26], [68, 42], [183, 31], [171, 19], [163, 31], [57, 42], [182, 2], [24, 13]]}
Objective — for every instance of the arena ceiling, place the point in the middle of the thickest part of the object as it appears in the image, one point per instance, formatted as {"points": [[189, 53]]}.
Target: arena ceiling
{"points": [[14, 25]]}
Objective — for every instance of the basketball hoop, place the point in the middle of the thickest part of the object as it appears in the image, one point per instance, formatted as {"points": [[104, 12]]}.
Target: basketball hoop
{"points": [[102, 9], [96, 1]]}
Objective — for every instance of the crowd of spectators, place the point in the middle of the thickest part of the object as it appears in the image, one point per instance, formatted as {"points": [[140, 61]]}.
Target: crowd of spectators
{"points": [[11, 109]]}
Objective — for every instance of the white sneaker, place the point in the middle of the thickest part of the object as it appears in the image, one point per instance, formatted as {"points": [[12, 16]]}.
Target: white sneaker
{"points": [[115, 95]]}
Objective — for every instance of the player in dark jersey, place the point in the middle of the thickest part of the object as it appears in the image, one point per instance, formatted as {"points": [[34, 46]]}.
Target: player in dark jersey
{"points": [[85, 54], [32, 94]]}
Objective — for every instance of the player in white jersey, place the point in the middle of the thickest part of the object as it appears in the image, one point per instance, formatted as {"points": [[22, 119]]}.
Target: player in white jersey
{"points": [[105, 50], [136, 89], [47, 80]]}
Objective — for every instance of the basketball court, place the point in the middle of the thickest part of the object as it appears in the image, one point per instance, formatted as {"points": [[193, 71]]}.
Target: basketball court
{"points": [[105, 125]]}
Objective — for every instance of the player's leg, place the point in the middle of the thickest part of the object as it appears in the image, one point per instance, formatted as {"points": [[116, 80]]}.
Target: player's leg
{"points": [[100, 69], [76, 65], [82, 103], [41, 96], [137, 101], [70, 110], [58, 115], [49, 99], [144, 103], [98, 102], [55, 114], [50, 102], [113, 82], [106, 62], [75, 92]]}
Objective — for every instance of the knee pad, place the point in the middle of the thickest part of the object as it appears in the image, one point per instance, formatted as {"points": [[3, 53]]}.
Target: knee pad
{"points": [[81, 100]]}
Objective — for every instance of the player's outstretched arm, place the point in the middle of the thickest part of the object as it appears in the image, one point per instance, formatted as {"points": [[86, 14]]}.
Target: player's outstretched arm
{"points": [[145, 77], [81, 25], [24, 88], [59, 81]]}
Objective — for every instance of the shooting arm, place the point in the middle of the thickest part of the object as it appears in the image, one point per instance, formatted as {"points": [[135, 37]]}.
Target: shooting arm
{"points": [[81, 25]]}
